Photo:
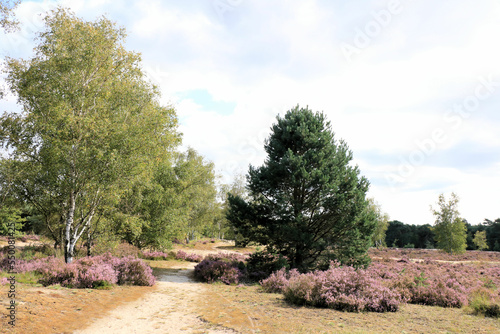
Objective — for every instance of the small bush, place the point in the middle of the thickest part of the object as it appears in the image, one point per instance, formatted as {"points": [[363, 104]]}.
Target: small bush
{"points": [[340, 288], [89, 272], [134, 271], [226, 268], [191, 257], [29, 237], [93, 274], [278, 280], [261, 264], [125, 249], [228, 257], [481, 303], [157, 255]]}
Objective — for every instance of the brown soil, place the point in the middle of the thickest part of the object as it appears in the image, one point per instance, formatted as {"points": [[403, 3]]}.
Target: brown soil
{"points": [[177, 304], [60, 310], [168, 307]]}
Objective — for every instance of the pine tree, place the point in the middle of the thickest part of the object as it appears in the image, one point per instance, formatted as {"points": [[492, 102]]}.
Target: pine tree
{"points": [[307, 202]]}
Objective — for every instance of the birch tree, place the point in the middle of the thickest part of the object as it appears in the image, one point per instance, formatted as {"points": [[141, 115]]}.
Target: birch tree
{"points": [[449, 229], [7, 19], [90, 123]]}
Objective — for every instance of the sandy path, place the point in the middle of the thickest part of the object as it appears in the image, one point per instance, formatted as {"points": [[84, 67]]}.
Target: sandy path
{"points": [[169, 309]]}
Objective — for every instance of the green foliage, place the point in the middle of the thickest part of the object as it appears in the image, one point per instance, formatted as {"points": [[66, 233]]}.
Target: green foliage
{"points": [[481, 303], [306, 201], [480, 240], [225, 228], [261, 264], [91, 123], [400, 234], [10, 217], [378, 237], [7, 20], [178, 202], [450, 230], [493, 234]]}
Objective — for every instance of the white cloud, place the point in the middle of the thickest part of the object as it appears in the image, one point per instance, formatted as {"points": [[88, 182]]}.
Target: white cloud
{"points": [[268, 56]]}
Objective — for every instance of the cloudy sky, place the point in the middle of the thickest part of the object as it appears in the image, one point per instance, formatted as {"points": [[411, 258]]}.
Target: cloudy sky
{"points": [[413, 87]]}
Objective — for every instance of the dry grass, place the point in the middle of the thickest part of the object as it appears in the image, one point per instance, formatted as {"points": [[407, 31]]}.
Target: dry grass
{"points": [[242, 308], [247, 310], [61, 310], [205, 245]]}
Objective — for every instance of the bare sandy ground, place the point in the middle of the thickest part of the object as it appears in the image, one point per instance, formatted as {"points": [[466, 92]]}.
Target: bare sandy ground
{"points": [[169, 309]]}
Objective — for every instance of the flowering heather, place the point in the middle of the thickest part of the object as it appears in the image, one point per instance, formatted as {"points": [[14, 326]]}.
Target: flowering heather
{"points": [[30, 237], [385, 284], [180, 255], [41, 266], [134, 271], [228, 257], [340, 288], [157, 255], [433, 254], [228, 268], [191, 257], [217, 270], [125, 249], [278, 280], [87, 272]]}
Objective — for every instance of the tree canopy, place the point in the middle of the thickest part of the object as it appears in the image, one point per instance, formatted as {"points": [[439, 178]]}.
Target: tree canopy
{"points": [[379, 234], [90, 122], [449, 229], [307, 202], [7, 19]]}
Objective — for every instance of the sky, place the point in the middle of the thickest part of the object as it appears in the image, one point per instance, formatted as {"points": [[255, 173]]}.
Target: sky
{"points": [[412, 87]]}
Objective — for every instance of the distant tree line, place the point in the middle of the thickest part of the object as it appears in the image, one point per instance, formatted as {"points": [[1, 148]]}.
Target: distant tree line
{"points": [[403, 235]]}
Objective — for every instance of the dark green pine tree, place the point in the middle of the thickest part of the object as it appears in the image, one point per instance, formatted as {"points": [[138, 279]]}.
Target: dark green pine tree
{"points": [[307, 202]]}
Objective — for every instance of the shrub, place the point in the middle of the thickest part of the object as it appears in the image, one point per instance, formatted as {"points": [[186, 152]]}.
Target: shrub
{"points": [[191, 257], [218, 269], [95, 272], [88, 272], [29, 237], [134, 271], [84, 273], [341, 288], [278, 280], [157, 255], [481, 303], [261, 264], [125, 249], [228, 257], [66, 276]]}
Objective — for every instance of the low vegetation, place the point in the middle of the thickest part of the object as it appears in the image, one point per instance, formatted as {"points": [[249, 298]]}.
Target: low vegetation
{"points": [[381, 287], [87, 272]]}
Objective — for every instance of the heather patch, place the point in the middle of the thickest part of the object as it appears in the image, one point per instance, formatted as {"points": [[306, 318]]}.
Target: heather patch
{"points": [[156, 256], [190, 257], [228, 268], [180, 255], [340, 288], [88, 272], [384, 285]]}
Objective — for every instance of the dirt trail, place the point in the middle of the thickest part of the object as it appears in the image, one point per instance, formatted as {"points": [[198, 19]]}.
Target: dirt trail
{"points": [[169, 309]]}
